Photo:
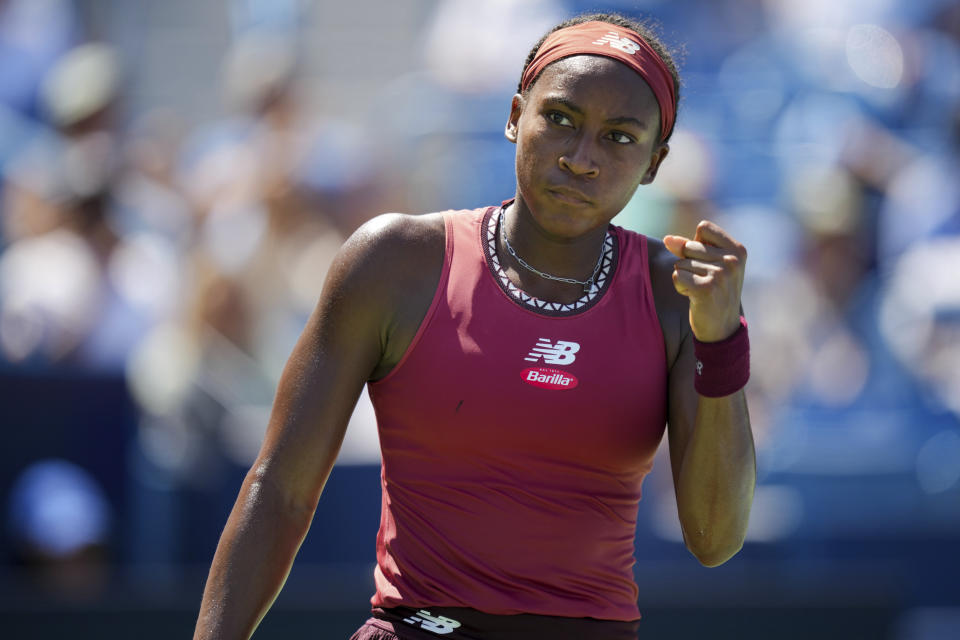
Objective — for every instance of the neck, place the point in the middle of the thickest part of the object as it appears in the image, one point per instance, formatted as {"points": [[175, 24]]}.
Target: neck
{"points": [[561, 257]]}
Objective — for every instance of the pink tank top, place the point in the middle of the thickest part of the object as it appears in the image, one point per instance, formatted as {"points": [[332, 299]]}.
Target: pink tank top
{"points": [[515, 436]]}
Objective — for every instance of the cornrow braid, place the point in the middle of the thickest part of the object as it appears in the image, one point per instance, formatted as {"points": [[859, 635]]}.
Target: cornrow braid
{"points": [[643, 29]]}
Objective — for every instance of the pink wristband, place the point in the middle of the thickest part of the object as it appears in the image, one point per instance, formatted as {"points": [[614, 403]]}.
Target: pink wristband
{"points": [[722, 367]]}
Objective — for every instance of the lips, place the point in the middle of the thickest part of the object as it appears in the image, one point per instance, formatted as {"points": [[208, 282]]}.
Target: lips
{"points": [[568, 195]]}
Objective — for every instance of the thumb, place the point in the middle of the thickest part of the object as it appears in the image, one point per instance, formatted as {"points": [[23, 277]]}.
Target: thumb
{"points": [[675, 245]]}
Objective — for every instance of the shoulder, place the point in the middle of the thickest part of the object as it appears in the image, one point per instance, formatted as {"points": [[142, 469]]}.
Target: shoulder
{"points": [[672, 308], [389, 249], [386, 274], [390, 237]]}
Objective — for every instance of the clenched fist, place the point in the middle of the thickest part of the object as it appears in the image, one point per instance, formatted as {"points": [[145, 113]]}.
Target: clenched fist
{"points": [[709, 273]]}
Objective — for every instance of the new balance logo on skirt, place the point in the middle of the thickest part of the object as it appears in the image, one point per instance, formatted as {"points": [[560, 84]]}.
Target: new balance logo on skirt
{"points": [[434, 624]]}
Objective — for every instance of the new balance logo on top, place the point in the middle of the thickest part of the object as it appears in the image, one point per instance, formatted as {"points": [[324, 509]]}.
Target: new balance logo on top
{"points": [[614, 40], [435, 624], [560, 353]]}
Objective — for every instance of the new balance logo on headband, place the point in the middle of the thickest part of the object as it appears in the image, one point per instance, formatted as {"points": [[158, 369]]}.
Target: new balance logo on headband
{"points": [[614, 40], [597, 37], [560, 353]]}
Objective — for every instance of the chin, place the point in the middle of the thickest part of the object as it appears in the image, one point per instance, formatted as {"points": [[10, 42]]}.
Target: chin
{"points": [[567, 223]]}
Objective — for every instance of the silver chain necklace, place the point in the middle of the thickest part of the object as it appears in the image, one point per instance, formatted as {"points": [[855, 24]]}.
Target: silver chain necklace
{"points": [[586, 284]]}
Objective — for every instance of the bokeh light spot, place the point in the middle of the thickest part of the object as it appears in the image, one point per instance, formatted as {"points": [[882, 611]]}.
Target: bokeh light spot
{"points": [[874, 55]]}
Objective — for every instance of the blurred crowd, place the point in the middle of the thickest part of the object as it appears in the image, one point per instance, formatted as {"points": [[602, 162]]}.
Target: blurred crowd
{"points": [[184, 251]]}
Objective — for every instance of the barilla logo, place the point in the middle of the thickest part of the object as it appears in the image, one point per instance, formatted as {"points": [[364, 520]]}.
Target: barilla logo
{"points": [[547, 378]]}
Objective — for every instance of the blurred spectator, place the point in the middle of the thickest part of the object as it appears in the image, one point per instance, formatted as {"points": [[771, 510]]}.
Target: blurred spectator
{"points": [[256, 225], [56, 301], [32, 36], [479, 48], [920, 316]]}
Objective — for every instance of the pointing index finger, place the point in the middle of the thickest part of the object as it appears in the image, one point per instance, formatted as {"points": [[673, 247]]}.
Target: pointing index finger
{"points": [[711, 233]]}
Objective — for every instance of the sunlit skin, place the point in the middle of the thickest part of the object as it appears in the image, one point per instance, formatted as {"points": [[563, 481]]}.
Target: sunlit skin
{"points": [[587, 136]]}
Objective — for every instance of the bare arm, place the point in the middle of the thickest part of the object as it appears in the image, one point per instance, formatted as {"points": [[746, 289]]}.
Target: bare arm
{"points": [[714, 467], [354, 334], [711, 443]]}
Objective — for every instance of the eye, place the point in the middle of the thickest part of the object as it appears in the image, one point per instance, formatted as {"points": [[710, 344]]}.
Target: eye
{"points": [[558, 118], [621, 138]]}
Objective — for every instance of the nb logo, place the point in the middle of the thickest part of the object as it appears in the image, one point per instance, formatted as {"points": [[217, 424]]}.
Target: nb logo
{"points": [[560, 353], [435, 624], [614, 40]]}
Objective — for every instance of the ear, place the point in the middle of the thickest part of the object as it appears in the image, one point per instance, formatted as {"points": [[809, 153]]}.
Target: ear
{"points": [[513, 123], [656, 158]]}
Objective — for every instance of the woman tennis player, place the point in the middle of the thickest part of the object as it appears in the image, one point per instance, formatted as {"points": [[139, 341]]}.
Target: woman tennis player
{"points": [[523, 361]]}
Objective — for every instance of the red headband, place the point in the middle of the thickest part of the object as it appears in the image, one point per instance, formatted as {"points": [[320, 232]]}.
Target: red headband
{"points": [[604, 39]]}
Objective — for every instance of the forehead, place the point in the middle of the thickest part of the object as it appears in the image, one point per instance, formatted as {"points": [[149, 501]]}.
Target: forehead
{"points": [[598, 82]]}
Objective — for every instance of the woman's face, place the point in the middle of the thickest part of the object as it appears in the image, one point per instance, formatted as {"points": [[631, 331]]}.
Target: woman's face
{"points": [[587, 135]]}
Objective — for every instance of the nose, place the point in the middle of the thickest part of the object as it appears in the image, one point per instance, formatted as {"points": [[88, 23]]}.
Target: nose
{"points": [[579, 159]]}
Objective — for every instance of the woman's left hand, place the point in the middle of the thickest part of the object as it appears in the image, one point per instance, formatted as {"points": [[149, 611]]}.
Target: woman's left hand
{"points": [[709, 273]]}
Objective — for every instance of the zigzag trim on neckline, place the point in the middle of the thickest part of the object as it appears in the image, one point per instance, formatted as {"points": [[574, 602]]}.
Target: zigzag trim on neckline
{"points": [[489, 227]]}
